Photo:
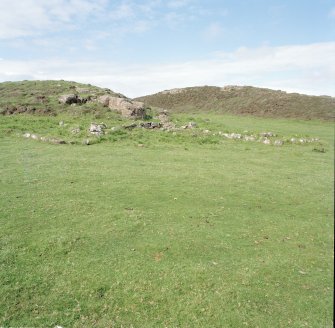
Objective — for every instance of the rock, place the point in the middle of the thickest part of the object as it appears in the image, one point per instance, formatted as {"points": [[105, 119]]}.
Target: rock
{"points": [[164, 116], [267, 134], [27, 135], [232, 135], [71, 99], [75, 130], [61, 123], [34, 136], [151, 125], [124, 106], [266, 142], [249, 138], [57, 141], [206, 131], [86, 142], [68, 99], [189, 125], [104, 100], [168, 126], [97, 129], [44, 139], [278, 143], [130, 126]]}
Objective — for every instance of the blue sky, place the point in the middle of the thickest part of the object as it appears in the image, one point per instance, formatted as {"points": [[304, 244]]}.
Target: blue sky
{"points": [[139, 47]]}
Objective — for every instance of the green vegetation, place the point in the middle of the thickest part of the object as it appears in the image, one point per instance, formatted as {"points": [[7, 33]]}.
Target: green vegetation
{"points": [[41, 97], [152, 228], [244, 101]]}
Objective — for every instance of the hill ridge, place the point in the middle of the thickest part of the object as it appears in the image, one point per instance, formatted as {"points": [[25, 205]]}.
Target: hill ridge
{"points": [[243, 100]]}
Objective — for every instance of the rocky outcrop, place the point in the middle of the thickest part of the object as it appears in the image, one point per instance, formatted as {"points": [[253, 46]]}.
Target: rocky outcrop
{"points": [[124, 106]]}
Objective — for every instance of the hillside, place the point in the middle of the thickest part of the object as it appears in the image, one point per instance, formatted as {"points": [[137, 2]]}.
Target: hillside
{"points": [[243, 101], [42, 97]]}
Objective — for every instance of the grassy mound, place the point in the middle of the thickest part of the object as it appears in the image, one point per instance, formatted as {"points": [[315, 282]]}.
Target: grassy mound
{"points": [[244, 101], [41, 97]]}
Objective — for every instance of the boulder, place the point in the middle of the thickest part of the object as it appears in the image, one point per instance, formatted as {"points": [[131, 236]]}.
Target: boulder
{"points": [[97, 129], [164, 116], [71, 99], [68, 99], [124, 106]]}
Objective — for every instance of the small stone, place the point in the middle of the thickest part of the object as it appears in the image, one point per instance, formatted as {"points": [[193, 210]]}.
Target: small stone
{"points": [[34, 136], [75, 130], [249, 138], [61, 123], [266, 142], [86, 142], [267, 134], [278, 143]]}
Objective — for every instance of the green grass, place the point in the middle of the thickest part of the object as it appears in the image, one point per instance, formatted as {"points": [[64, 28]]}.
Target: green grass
{"points": [[41, 97], [186, 231]]}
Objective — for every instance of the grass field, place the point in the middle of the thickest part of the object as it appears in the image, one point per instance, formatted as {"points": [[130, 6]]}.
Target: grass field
{"points": [[185, 231]]}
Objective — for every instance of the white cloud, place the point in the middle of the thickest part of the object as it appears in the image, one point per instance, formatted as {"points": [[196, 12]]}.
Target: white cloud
{"points": [[306, 69], [123, 11], [36, 17]]}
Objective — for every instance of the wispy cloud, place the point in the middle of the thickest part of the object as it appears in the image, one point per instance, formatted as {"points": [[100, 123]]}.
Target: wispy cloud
{"points": [[123, 11], [37, 17], [307, 69]]}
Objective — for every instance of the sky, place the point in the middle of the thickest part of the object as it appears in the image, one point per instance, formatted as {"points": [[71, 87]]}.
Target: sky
{"points": [[139, 47]]}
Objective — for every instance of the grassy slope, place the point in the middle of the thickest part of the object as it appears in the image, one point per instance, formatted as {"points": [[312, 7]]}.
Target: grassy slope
{"points": [[187, 231], [43, 96], [245, 101]]}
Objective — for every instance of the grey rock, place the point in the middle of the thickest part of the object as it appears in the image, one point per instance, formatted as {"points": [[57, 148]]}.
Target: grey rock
{"points": [[151, 125], [267, 134], [124, 106], [130, 126], [75, 130], [97, 129]]}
